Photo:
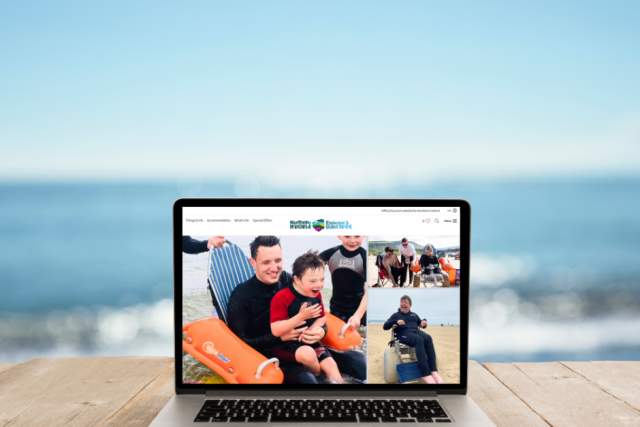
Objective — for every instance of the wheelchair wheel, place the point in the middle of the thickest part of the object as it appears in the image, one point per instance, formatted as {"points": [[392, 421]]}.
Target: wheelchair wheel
{"points": [[391, 360]]}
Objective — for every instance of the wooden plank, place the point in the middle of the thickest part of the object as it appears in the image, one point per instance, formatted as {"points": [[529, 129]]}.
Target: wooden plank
{"points": [[143, 407], [497, 401], [620, 379], [562, 397], [74, 391]]}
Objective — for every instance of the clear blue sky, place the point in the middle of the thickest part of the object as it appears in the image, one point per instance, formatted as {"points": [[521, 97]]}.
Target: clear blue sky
{"points": [[207, 89]]}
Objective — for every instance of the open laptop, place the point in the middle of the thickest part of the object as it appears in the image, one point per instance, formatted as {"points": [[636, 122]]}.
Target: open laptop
{"points": [[321, 311]]}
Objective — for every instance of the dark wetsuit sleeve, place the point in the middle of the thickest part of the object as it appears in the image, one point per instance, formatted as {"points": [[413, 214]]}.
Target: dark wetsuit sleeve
{"points": [[326, 254], [390, 322], [241, 324], [193, 246]]}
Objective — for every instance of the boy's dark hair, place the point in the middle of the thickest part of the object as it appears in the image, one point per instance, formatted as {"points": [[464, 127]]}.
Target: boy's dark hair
{"points": [[268, 241], [307, 261], [388, 249], [407, 298]]}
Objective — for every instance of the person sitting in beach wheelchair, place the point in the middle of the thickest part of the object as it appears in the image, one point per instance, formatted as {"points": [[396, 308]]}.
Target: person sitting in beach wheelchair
{"points": [[411, 354], [430, 265]]}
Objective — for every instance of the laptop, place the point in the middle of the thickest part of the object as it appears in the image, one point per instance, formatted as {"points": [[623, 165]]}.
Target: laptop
{"points": [[319, 311]]}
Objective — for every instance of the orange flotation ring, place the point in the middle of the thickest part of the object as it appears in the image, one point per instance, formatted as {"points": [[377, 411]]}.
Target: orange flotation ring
{"points": [[339, 336], [214, 345]]}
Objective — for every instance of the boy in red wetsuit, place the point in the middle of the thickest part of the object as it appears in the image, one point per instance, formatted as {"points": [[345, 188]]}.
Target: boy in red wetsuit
{"points": [[301, 304]]}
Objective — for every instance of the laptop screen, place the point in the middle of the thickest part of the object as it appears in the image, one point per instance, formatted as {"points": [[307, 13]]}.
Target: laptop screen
{"points": [[321, 295]]}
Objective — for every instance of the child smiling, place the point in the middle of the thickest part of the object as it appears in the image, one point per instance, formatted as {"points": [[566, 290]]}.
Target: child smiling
{"points": [[301, 305]]}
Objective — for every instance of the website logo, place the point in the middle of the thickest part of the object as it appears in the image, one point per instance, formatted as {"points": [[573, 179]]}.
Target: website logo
{"points": [[318, 225]]}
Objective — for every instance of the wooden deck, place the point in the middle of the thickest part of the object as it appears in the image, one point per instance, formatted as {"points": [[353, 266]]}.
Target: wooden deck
{"points": [[131, 390]]}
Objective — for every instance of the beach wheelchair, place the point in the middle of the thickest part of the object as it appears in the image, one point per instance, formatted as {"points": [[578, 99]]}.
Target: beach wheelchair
{"points": [[430, 277], [212, 343], [400, 361]]}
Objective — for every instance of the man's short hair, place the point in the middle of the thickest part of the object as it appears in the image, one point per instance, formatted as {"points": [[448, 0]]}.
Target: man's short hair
{"points": [[404, 239], [307, 261], [268, 241], [406, 298]]}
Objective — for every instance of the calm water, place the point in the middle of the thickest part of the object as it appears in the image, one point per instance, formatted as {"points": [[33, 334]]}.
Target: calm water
{"points": [[86, 268]]}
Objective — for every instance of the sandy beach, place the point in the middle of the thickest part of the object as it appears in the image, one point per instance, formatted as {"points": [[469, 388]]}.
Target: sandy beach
{"points": [[445, 338]]}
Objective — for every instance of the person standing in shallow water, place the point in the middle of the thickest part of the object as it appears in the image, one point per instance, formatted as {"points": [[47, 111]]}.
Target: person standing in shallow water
{"points": [[406, 325]]}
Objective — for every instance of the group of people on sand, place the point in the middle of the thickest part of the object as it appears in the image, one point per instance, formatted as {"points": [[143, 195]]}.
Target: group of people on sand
{"points": [[282, 314], [398, 270]]}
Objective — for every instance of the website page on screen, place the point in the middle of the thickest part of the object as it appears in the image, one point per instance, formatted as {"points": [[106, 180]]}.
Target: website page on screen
{"points": [[312, 295]]}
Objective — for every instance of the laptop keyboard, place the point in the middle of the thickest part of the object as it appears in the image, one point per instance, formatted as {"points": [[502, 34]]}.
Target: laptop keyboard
{"points": [[325, 411]]}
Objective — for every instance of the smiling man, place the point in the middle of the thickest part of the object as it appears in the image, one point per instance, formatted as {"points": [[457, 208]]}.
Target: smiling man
{"points": [[249, 304]]}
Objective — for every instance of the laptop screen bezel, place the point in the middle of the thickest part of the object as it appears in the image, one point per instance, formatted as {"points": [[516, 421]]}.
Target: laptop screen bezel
{"points": [[465, 213]]}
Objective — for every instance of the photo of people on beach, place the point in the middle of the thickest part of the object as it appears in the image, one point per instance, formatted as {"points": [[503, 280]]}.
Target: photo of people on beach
{"points": [[413, 261], [292, 309], [413, 336]]}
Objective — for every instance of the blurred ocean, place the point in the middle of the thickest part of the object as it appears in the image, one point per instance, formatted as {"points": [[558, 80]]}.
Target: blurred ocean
{"points": [[86, 268]]}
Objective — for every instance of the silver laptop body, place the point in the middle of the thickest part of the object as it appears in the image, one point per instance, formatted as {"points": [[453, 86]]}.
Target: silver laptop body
{"points": [[183, 408]]}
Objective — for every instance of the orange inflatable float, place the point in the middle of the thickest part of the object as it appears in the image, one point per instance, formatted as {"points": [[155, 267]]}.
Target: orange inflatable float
{"points": [[214, 345], [450, 269], [340, 336]]}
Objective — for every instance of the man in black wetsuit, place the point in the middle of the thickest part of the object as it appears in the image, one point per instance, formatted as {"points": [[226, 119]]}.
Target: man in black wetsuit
{"points": [[406, 324], [249, 313]]}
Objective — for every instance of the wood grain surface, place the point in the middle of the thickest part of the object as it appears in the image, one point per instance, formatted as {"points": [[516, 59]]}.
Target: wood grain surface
{"points": [[119, 391]]}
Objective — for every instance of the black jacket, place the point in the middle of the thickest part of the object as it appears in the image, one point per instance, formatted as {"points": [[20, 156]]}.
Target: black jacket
{"points": [[193, 246], [411, 323]]}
